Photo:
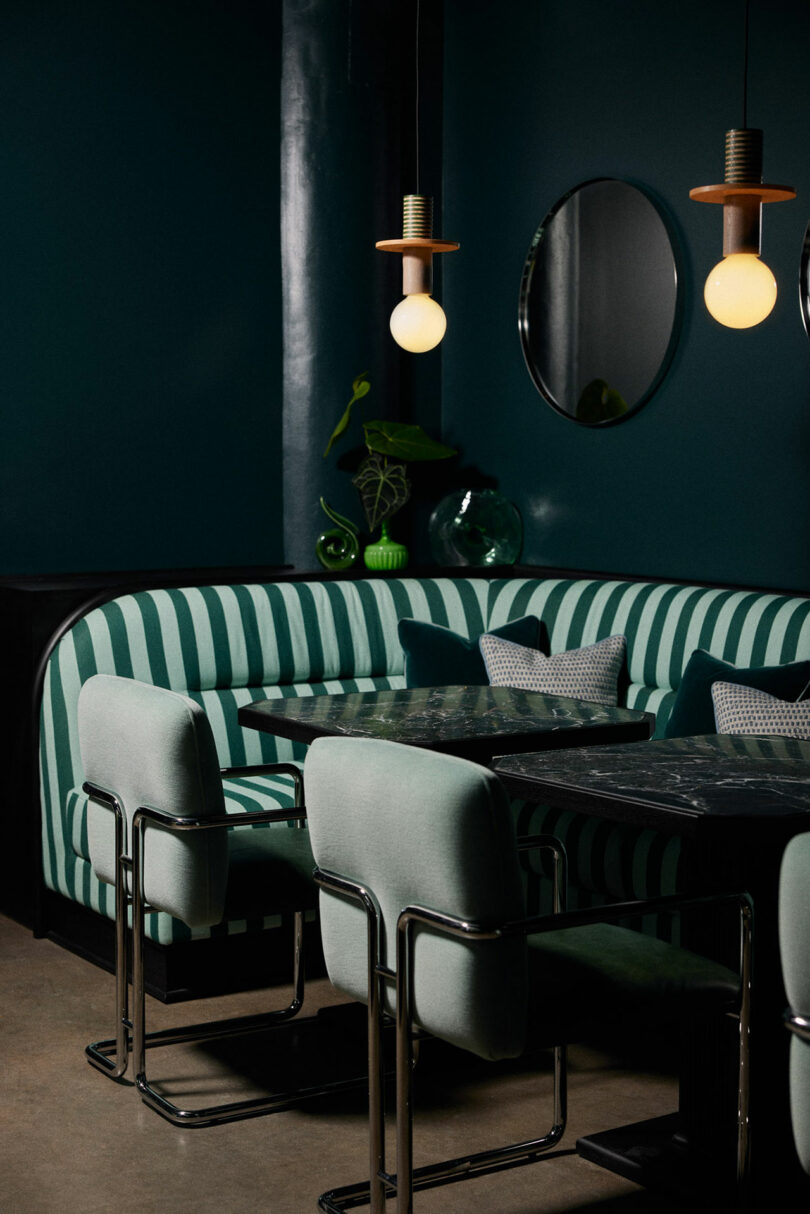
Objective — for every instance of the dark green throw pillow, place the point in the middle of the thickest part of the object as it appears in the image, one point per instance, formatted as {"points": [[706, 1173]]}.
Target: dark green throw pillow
{"points": [[693, 710], [437, 657]]}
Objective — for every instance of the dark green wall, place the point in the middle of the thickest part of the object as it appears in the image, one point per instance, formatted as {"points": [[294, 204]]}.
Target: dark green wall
{"points": [[143, 252], [711, 480], [140, 374]]}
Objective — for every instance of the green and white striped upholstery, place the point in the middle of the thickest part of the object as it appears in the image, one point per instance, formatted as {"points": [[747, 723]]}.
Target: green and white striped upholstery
{"points": [[227, 645]]}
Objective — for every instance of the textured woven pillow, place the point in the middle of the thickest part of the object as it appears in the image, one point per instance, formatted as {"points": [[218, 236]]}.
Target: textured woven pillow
{"points": [[437, 657], [693, 711], [746, 710], [590, 673]]}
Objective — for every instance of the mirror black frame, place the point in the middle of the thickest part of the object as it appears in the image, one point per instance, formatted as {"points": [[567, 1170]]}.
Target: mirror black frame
{"points": [[804, 281], [677, 315]]}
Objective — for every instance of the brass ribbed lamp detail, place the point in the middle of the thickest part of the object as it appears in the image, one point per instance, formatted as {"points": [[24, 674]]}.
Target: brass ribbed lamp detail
{"points": [[417, 217], [417, 322], [744, 155]]}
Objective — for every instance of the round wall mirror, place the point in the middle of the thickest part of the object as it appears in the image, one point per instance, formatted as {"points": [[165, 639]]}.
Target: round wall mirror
{"points": [[599, 302], [804, 281]]}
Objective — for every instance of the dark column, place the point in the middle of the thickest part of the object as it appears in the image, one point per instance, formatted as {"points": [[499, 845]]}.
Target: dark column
{"points": [[341, 94]]}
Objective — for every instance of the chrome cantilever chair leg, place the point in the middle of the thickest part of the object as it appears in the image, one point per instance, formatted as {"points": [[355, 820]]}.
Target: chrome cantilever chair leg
{"points": [[743, 1071], [111, 1056], [408, 1180], [382, 1183], [198, 1033]]}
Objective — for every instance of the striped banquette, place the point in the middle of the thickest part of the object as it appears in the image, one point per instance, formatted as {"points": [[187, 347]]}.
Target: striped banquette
{"points": [[227, 645]]}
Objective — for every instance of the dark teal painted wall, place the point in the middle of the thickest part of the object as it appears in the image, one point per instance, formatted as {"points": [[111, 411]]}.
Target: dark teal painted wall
{"points": [[140, 328], [142, 373], [711, 480]]}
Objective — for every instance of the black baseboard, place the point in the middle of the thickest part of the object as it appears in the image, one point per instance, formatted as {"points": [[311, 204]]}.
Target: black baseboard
{"points": [[194, 969]]}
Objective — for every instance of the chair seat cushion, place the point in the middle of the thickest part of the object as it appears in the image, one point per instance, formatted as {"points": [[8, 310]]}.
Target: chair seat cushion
{"points": [[269, 868], [621, 972]]}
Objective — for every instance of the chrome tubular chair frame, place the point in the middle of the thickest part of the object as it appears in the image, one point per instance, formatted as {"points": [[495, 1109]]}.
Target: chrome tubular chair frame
{"points": [[383, 1183], [111, 1056], [798, 1025], [411, 916], [407, 1180]]}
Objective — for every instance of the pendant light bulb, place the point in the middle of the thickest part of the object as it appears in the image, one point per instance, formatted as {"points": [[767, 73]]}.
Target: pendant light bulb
{"points": [[740, 291], [418, 323]]}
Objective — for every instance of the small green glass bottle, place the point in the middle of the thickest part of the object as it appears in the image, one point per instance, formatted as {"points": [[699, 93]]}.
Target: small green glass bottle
{"points": [[386, 554]]}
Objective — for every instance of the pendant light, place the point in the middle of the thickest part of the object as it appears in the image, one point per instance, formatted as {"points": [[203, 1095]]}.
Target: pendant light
{"points": [[741, 290], [418, 322]]}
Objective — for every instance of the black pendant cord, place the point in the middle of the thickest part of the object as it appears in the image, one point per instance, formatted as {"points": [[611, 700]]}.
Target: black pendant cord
{"points": [[745, 65], [416, 94]]}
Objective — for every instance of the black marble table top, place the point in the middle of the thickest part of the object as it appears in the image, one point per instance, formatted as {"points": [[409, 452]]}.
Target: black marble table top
{"points": [[673, 783], [475, 722]]}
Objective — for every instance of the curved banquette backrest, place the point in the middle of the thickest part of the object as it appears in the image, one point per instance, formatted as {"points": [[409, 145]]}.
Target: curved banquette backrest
{"points": [[224, 646]]}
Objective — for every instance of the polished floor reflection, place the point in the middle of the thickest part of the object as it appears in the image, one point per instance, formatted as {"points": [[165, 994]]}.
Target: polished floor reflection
{"points": [[72, 1142]]}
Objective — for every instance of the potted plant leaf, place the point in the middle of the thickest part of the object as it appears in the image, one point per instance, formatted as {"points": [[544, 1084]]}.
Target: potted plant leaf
{"points": [[382, 476]]}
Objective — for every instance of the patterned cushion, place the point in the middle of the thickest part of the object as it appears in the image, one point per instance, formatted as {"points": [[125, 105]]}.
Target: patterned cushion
{"points": [[745, 710], [693, 711], [590, 673], [436, 656]]}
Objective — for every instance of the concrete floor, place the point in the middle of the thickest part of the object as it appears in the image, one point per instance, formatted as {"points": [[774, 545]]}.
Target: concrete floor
{"points": [[73, 1142]]}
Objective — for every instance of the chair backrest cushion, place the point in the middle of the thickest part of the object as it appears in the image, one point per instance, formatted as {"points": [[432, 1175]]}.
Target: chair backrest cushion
{"points": [[419, 828], [154, 748], [794, 939]]}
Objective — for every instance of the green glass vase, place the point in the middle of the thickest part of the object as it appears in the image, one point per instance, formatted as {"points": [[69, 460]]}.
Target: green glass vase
{"points": [[386, 554], [339, 547]]}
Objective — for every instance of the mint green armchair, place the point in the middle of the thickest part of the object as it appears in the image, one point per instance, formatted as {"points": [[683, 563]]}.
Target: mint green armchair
{"points": [[794, 940], [422, 917], [158, 832]]}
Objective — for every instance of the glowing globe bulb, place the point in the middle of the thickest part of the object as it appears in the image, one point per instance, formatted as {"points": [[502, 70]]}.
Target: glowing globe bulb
{"points": [[418, 323], [740, 291]]}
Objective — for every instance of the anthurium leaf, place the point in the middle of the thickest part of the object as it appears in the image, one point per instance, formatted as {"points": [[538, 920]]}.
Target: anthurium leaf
{"points": [[599, 403], [339, 519], [401, 441], [384, 488], [360, 387]]}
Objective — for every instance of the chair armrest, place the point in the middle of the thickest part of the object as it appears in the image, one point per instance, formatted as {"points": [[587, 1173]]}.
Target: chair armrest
{"points": [[244, 817], [559, 894], [536, 924], [798, 1025], [667, 904], [263, 769]]}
